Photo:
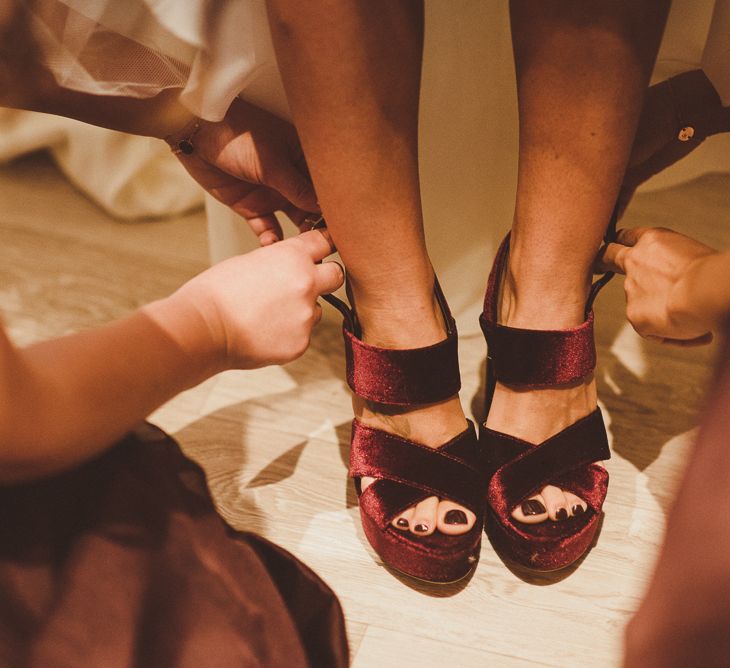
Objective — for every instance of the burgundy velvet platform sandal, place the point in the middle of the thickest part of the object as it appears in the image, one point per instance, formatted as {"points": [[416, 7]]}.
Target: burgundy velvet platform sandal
{"points": [[518, 469], [407, 472]]}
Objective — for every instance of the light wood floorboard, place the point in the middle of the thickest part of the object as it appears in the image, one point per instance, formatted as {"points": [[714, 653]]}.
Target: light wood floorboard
{"points": [[274, 442]]}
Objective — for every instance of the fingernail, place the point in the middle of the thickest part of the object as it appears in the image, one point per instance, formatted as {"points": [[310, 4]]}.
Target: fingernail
{"points": [[532, 507], [421, 528], [578, 509], [455, 517], [402, 522], [562, 514]]}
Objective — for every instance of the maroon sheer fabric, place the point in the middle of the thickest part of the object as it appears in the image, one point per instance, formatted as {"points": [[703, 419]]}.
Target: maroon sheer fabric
{"points": [[124, 562]]}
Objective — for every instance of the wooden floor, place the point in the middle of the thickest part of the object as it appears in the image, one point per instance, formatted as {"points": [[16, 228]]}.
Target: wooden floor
{"points": [[274, 442]]}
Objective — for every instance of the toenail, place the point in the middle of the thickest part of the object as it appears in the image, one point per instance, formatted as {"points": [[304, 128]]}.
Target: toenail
{"points": [[421, 528], [562, 514], [578, 509], [532, 507], [455, 517], [402, 522]]}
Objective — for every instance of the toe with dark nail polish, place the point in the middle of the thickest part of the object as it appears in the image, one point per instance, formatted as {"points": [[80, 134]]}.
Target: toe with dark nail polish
{"points": [[578, 509], [562, 514], [532, 507], [402, 522], [421, 528], [455, 517]]}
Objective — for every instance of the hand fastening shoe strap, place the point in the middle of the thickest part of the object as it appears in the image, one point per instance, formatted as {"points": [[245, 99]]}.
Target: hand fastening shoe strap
{"points": [[402, 377]]}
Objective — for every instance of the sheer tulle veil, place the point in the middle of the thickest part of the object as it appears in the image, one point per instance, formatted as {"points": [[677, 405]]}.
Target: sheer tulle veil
{"points": [[211, 49]]}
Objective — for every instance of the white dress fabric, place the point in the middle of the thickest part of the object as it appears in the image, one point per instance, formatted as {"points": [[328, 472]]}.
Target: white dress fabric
{"points": [[217, 49], [211, 49], [130, 178]]}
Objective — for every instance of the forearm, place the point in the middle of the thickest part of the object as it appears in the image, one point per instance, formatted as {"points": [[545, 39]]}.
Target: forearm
{"points": [[157, 116], [26, 84], [704, 291], [67, 399]]}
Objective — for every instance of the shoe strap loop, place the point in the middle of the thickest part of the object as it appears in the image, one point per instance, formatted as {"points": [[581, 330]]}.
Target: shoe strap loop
{"points": [[534, 358], [401, 377]]}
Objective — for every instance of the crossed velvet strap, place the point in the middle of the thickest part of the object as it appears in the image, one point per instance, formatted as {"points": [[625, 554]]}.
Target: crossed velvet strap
{"points": [[407, 472], [536, 357], [521, 469]]}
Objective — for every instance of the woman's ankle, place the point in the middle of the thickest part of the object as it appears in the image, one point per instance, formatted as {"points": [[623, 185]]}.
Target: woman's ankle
{"points": [[542, 304], [410, 324], [399, 311]]}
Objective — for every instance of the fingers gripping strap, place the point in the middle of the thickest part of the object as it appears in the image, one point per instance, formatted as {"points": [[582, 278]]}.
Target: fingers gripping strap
{"points": [[580, 444], [403, 377], [540, 357], [436, 471]]}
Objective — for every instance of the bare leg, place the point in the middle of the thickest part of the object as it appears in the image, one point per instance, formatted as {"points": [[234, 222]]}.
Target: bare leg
{"points": [[582, 69], [351, 69]]}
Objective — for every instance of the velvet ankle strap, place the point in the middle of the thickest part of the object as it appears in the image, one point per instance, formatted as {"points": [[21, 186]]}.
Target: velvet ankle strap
{"points": [[401, 377], [531, 357], [540, 357]]}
